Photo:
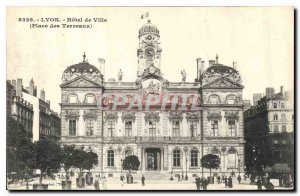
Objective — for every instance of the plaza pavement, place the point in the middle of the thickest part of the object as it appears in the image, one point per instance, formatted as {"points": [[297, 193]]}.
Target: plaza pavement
{"points": [[115, 184]]}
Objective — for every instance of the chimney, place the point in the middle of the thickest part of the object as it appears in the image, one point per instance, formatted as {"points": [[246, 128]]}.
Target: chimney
{"points": [[281, 90], [42, 95], [48, 102], [211, 62], [13, 82], [31, 87], [199, 70], [101, 62], [35, 91], [269, 92], [19, 87]]}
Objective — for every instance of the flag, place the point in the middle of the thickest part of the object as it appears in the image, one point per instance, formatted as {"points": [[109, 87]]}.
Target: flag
{"points": [[145, 15]]}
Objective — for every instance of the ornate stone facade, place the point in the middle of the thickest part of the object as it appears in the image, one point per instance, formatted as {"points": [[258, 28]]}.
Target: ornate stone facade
{"points": [[165, 140]]}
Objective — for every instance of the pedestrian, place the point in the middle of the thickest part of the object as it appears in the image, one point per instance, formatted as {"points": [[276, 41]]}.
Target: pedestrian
{"points": [[269, 185], [205, 183], [198, 183], [182, 176], [232, 174], [225, 180], [96, 185], [143, 180], [178, 177], [259, 184], [219, 179], [230, 182], [239, 179], [104, 183], [122, 178]]}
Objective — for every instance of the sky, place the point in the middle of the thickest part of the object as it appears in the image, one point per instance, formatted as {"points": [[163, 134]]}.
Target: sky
{"points": [[260, 40]]}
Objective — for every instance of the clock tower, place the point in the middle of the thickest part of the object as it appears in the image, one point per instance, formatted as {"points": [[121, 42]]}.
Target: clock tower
{"points": [[149, 51]]}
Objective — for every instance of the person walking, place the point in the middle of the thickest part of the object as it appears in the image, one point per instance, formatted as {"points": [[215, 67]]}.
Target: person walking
{"points": [[96, 185], [122, 180], [259, 184], [230, 182], [225, 180], [198, 183], [239, 179], [205, 183], [219, 178], [178, 177], [143, 180]]}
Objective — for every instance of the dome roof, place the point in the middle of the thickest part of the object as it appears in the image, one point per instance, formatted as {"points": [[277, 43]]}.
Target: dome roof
{"points": [[220, 69], [148, 28], [82, 67]]}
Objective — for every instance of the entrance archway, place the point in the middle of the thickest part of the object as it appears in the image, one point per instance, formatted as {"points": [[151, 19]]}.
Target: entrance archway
{"points": [[153, 159]]}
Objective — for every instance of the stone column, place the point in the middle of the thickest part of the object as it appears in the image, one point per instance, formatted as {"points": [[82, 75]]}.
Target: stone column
{"points": [[142, 159], [158, 154], [165, 159]]}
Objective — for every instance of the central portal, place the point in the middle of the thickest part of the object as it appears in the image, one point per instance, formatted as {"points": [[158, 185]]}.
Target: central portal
{"points": [[153, 159]]}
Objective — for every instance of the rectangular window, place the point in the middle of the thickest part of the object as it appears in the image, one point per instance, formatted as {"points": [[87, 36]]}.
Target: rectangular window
{"points": [[283, 142], [176, 130], [214, 127], [89, 127], [152, 129], [111, 128], [176, 158], [128, 128], [194, 159], [72, 127], [232, 128], [110, 158], [275, 141], [193, 128]]}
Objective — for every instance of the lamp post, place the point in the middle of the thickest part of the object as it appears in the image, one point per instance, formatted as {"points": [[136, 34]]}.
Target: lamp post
{"points": [[186, 176], [121, 165], [239, 167]]}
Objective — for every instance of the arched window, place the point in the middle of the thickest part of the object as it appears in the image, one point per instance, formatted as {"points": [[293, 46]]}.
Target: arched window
{"points": [[176, 158], [275, 117], [213, 99], [283, 117], [275, 128], [110, 158], [72, 98], [283, 128], [232, 157], [194, 158], [128, 152], [90, 98], [230, 99]]}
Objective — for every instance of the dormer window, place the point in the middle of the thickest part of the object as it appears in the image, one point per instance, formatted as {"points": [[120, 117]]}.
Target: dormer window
{"points": [[214, 99], [90, 99]]}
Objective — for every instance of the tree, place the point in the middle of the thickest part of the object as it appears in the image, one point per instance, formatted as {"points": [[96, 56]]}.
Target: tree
{"points": [[48, 157], [84, 160], [131, 163], [19, 148], [210, 161], [68, 158]]}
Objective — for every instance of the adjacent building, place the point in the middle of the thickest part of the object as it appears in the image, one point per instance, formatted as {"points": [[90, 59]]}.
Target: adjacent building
{"points": [[167, 139], [32, 111], [269, 133]]}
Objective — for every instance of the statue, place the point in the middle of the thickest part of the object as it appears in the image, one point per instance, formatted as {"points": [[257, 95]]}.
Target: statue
{"points": [[183, 75], [120, 75]]}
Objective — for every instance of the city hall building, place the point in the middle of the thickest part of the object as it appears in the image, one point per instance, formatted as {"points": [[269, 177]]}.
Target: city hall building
{"points": [[165, 137]]}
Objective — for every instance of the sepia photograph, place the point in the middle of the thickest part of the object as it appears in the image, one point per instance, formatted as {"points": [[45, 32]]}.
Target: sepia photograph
{"points": [[150, 98]]}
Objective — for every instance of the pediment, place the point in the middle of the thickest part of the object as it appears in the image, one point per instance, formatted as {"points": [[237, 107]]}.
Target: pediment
{"points": [[81, 82], [222, 83]]}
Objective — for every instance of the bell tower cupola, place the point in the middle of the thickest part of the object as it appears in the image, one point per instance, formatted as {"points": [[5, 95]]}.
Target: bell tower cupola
{"points": [[149, 51]]}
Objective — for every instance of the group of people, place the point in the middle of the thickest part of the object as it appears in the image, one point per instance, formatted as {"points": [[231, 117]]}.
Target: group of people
{"points": [[201, 183], [100, 181]]}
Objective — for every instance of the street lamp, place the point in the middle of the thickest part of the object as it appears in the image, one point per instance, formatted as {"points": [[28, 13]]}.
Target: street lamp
{"points": [[239, 167], [121, 165], [186, 176]]}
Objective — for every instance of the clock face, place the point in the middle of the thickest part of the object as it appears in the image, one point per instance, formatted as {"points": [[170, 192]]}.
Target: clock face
{"points": [[149, 52]]}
